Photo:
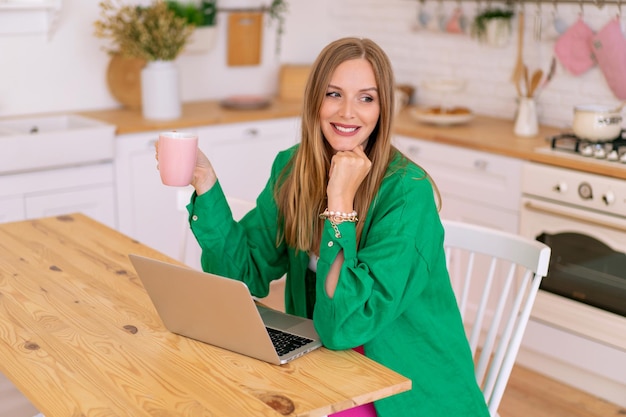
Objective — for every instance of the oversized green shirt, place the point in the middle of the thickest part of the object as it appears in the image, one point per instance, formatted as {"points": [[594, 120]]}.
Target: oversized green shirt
{"points": [[393, 296]]}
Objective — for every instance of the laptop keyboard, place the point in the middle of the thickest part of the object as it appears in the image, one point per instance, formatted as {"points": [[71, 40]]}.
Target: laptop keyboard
{"points": [[286, 342]]}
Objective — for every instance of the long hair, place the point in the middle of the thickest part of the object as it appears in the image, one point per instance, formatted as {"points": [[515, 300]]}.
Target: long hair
{"points": [[301, 189]]}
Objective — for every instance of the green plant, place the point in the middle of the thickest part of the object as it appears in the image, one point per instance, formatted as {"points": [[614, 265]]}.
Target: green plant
{"points": [[200, 15], [152, 33], [479, 24], [276, 12]]}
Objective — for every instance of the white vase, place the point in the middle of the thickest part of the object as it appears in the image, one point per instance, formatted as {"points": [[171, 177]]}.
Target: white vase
{"points": [[160, 91], [202, 39], [498, 32], [526, 123]]}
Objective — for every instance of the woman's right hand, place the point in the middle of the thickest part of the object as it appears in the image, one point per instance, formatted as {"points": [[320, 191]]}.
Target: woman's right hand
{"points": [[204, 176]]}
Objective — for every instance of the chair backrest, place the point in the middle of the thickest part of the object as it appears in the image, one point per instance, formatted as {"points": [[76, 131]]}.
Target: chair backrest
{"points": [[496, 276]]}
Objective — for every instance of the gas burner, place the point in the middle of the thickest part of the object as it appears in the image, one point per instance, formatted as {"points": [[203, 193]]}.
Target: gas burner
{"points": [[613, 150]]}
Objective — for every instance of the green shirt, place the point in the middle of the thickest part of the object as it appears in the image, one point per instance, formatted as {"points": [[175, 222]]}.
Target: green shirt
{"points": [[394, 295]]}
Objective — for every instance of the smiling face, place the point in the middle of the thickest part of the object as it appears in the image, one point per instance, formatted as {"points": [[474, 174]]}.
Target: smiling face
{"points": [[351, 105]]}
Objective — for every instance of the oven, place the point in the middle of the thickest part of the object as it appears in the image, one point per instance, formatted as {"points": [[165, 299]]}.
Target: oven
{"points": [[579, 317]]}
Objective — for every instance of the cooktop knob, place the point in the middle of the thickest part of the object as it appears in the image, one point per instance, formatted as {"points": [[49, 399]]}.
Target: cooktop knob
{"points": [[608, 198], [586, 151], [599, 153], [584, 191], [613, 155], [561, 187]]}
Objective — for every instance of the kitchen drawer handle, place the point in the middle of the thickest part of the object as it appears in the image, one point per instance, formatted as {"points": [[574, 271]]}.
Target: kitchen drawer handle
{"points": [[549, 210], [480, 164], [251, 132]]}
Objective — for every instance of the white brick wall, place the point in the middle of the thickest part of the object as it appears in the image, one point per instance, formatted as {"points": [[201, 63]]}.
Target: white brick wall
{"points": [[423, 54]]}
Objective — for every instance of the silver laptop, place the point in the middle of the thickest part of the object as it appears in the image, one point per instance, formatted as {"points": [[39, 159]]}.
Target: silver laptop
{"points": [[221, 312]]}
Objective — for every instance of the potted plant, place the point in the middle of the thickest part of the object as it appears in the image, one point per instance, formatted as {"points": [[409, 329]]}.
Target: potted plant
{"points": [[493, 26], [203, 16], [155, 34]]}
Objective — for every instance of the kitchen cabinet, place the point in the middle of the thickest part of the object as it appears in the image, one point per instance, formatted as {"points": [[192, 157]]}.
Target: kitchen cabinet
{"points": [[11, 209], [12, 401], [476, 187], [242, 155], [88, 189]]}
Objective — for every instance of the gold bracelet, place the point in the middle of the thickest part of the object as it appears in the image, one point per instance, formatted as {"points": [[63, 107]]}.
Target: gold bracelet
{"points": [[338, 217]]}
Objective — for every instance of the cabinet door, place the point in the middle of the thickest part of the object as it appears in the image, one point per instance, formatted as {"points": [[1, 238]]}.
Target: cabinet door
{"points": [[242, 154], [148, 211], [88, 189], [11, 209], [96, 202], [482, 177], [12, 402]]}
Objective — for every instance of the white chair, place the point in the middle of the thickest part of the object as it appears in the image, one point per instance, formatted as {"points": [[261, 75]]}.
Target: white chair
{"points": [[496, 276]]}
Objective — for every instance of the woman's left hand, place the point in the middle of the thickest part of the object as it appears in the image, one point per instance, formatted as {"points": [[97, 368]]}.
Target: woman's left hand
{"points": [[348, 169]]}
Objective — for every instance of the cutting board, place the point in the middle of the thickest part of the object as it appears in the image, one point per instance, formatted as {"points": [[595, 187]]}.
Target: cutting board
{"points": [[292, 81], [245, 32]]}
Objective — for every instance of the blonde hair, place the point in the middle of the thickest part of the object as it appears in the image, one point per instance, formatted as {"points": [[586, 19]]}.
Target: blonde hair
{"points": [[301, 189]]}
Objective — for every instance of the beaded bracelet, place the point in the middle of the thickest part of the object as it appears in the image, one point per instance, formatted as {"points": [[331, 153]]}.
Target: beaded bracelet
{"points": [[339, 217]]}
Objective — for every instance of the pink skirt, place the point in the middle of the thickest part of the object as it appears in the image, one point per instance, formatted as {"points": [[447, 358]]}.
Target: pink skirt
{"points": [[365, 410]]}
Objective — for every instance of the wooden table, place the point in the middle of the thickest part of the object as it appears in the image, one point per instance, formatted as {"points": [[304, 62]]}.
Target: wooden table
{"points": [[80, 337]]}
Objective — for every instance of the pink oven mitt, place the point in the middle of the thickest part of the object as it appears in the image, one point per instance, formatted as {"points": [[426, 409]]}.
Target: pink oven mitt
{"points": [[573, 48], [609, 49]]}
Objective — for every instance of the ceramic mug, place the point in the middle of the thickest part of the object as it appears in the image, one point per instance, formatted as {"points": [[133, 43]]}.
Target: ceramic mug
{"points": [[177, 157]]}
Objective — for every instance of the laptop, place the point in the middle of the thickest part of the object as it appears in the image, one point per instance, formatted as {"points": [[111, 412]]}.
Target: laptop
{"points": [[221, 312]]}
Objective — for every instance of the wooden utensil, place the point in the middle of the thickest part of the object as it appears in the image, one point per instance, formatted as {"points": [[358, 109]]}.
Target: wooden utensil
{"points": [[534, 82], [519, 64], [526, 79]]}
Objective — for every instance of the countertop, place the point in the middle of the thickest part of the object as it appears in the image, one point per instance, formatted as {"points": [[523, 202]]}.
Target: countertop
{"points": [[483, 133]]}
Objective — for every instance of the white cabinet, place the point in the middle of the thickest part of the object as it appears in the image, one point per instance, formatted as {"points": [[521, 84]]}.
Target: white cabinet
{"points": [[12, 402], [88, 189], [155, 214], [476, 187], [11, 209]]}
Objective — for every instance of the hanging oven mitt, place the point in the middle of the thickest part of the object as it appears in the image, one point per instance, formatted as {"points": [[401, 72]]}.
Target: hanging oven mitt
{"points": [[609, 49], [573, 48]]}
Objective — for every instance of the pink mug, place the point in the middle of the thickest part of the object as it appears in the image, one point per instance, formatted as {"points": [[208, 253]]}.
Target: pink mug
{"points": [[177, 157]]}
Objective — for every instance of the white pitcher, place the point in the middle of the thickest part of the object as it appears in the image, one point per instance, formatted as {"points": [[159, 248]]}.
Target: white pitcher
{"points": [[526, 123]]}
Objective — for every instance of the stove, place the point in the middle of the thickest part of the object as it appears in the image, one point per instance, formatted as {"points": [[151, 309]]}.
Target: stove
{"points": [[613, 150], [582, 217]]}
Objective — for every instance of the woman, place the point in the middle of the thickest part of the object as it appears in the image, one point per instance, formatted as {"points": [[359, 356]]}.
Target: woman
{"points": [[355, 227]]}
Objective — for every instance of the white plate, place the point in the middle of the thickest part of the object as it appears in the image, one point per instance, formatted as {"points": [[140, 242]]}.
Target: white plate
{"points": [[423, 116]]}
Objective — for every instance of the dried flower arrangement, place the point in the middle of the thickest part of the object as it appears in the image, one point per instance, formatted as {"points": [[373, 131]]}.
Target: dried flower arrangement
{"points": [[153, 33]]}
